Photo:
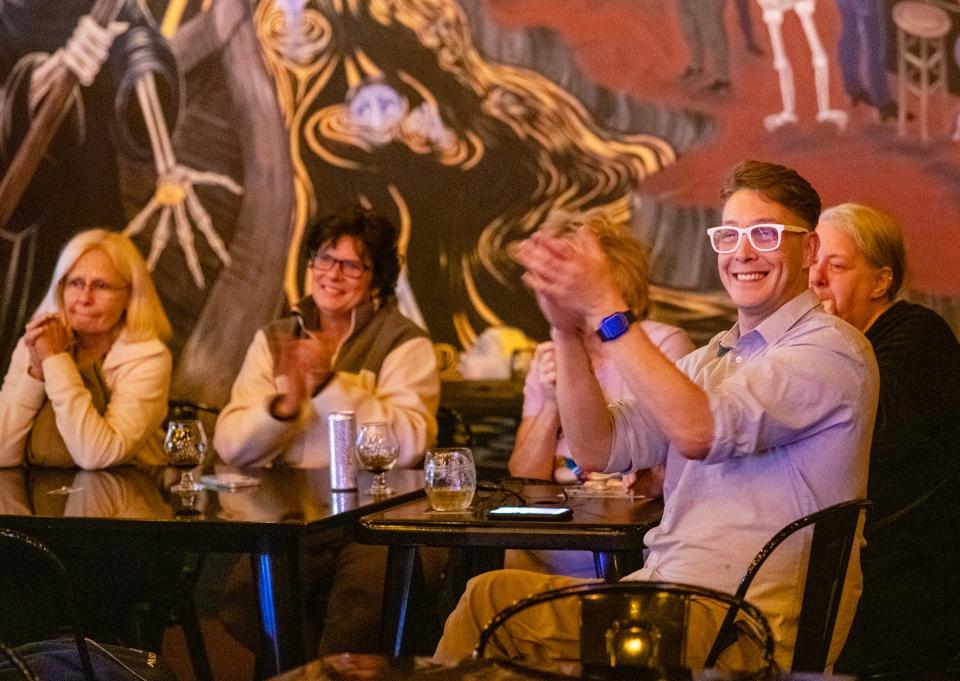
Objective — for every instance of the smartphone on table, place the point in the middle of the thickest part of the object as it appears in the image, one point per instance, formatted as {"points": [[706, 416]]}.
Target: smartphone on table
{"points": [[531, 513]]}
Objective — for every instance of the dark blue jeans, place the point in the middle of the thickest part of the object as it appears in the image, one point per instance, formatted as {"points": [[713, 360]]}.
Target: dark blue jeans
{"points": [[862, 47]]}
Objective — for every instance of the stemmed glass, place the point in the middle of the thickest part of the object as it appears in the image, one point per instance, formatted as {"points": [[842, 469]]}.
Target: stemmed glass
{"points": [[377, 451], [185, 446]]}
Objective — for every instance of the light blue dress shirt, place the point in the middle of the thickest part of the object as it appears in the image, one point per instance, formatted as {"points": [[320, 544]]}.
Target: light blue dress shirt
{"points": [[793, 402]]}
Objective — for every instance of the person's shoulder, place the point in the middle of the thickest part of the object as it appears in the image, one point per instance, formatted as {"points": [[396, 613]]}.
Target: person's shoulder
{"points": [[125, 350], [905, 319], [671, 340], [392, 316], [658, 331], [823, 332]]}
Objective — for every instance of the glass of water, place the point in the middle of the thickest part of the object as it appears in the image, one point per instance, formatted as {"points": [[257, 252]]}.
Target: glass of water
{"points": [[450, 478]]}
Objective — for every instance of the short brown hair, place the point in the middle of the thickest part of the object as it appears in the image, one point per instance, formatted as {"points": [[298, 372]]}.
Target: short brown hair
{"points": [[626, 255], [377, 238], [776, 183]]}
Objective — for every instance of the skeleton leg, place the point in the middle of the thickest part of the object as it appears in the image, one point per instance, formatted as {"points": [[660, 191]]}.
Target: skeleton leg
{"points": [[821, 66], [773, 18]]}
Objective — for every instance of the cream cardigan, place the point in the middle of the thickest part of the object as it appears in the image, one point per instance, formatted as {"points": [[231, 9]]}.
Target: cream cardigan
{"points": [[138, 378]]}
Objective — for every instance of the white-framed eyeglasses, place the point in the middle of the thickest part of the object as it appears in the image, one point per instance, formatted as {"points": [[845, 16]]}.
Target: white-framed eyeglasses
{"points": [[96, 286], [764, 236], [324, 262]]}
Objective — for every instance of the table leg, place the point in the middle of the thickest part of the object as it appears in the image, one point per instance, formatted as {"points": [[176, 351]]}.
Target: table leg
{"points": [[396, 597], [613, 566], [276, 575]]}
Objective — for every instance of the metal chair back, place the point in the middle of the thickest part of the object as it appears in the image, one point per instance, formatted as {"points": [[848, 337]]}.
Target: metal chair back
{"points": [[632, 626], [834, 530], [32, 576]]}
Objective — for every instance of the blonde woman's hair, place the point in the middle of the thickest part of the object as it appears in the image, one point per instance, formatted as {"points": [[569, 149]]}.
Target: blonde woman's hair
{"points": [[625, 253], [144, 317], [877, 235]]}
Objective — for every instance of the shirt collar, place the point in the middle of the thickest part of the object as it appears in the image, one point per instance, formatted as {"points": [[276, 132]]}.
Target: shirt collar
{"points": [[774, 326]]}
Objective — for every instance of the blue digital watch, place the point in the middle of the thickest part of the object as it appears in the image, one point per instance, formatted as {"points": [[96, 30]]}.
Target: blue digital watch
{"points": [[615, 325]]}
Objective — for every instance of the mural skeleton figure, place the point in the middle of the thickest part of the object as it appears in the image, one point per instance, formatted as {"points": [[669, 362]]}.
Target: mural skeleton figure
{"points": [[773, 11], [78, 183], [175, 196]]}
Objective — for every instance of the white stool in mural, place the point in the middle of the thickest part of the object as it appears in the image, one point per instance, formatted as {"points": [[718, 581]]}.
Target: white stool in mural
{"points": [[773, 11], [921, 57]]}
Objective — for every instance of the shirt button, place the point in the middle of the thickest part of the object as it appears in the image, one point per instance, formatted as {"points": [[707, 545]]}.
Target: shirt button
{"points": [[738, 359]]}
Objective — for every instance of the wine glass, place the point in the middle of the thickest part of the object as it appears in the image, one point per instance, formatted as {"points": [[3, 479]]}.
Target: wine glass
{"points": [[185, 446], [377, 451]]}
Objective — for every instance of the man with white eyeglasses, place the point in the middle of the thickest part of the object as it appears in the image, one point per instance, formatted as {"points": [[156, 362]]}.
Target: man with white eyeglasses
{"points": [[769, 422]]}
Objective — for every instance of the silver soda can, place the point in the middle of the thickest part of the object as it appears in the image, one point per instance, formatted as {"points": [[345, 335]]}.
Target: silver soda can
{"points": [[342, 431]]}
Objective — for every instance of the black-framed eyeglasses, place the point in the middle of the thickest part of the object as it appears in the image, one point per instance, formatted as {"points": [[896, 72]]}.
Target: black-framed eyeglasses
{"points": [[764, 236], [324, 262]]}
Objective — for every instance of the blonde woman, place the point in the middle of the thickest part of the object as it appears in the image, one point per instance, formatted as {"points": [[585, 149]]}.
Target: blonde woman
{"points": [[540, 450], [88, 381]]}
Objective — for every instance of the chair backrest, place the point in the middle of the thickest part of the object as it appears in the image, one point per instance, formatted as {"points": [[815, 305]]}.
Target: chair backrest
{"points": [[834, 530], [35, 592], [452, 429], [634, 625]]}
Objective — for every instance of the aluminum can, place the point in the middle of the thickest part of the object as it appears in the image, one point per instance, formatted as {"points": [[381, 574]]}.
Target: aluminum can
{"points": [[342, 433]]}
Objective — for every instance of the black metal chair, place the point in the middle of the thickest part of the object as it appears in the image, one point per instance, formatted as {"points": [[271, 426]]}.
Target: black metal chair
{"points": [[35, 595], [834, 530], [42, 633], [636, 629]]}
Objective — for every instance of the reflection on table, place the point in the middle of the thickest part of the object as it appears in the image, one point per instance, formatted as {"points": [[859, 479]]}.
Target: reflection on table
{"points": [[612, 527], [128, 504]]}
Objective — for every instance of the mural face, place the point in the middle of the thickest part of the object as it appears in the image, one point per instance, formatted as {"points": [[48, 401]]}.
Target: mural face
{"points": [[397, 110]]}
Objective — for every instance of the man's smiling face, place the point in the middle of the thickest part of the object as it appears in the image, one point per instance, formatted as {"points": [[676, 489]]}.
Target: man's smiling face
{"points": [[759, 282]]}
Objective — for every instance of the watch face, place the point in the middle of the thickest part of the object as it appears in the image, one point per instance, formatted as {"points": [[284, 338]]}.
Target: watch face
{"points": [[613, 326]]}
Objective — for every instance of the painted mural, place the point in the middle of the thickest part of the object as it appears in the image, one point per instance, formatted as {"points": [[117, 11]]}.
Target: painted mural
{"points": [[216, 130]]}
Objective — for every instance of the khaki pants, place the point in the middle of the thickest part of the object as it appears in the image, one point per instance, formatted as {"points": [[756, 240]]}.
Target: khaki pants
{"points": [[548, 635]]}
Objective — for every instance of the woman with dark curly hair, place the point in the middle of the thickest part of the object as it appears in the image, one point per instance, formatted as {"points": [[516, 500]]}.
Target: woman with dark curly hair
{"points": [[345, 347]]}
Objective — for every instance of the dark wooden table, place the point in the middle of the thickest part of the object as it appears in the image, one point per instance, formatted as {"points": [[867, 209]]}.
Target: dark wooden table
{"points": [[130, 504], [611, 527]]}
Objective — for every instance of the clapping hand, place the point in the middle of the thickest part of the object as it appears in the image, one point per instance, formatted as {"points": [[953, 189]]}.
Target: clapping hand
{"points": [[303, 368], [571, 277]]}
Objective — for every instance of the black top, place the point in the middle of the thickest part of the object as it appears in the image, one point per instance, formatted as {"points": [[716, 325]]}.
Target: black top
{"points": [[916, 440], [911, 564]]}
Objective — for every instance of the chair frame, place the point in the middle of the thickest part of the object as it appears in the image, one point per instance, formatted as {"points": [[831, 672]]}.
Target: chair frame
{"points": [[63, 588], [834, 530], [18, 664], [736, 604]]}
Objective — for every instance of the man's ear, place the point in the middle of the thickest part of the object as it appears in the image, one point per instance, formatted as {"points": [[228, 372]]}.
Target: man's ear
{"points": [[882, 283], [811, 245]]}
